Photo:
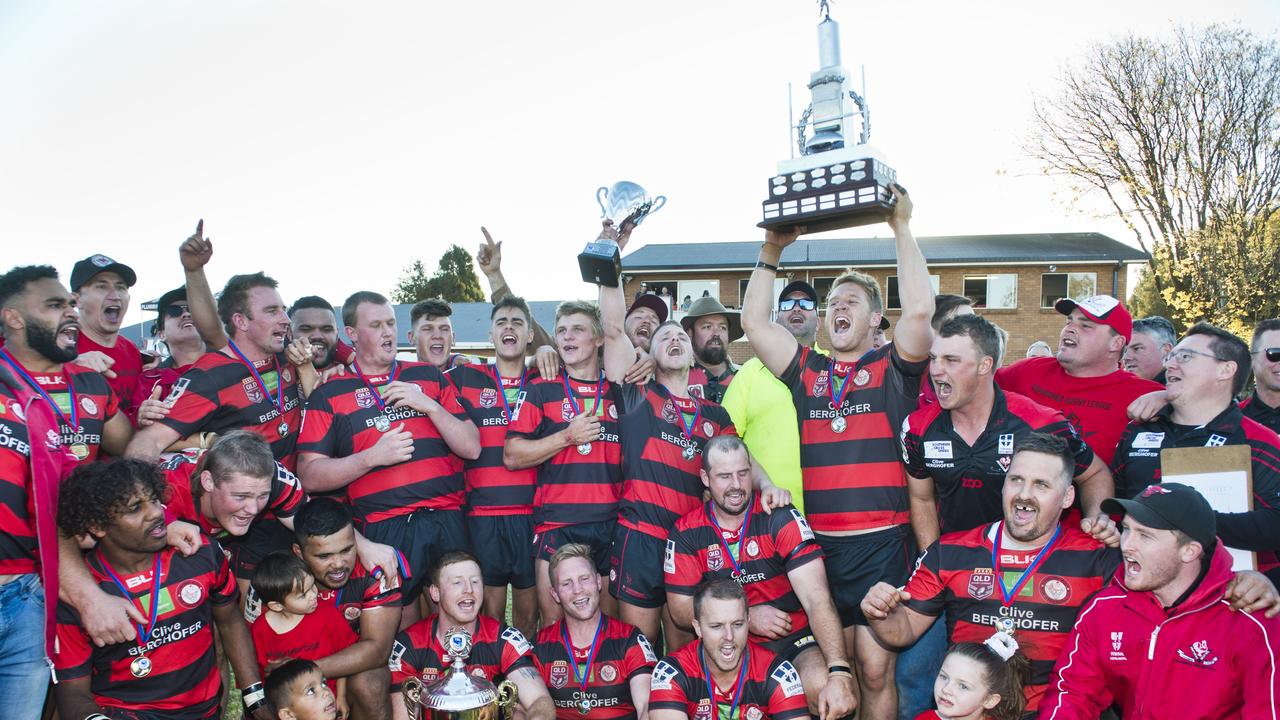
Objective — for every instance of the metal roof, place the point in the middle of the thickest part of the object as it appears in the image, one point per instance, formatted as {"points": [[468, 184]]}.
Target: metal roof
{"points": [[870, 252]]}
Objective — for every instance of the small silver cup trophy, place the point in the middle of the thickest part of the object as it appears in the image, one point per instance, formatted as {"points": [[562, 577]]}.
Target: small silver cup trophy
{"points": [[833, 184], [624, 203]]}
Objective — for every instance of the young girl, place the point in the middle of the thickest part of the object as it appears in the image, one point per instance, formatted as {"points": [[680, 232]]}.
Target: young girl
{"points": [[981, 681]]}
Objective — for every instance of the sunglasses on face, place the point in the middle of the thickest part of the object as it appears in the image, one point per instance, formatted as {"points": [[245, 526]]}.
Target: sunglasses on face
{"points": [[1272, 354], [176, 311], [791, 303]]}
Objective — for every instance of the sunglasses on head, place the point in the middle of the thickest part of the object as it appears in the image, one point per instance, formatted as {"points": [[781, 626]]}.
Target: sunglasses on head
{"points": [[1273, 354], [176, 311], [790, 304]]}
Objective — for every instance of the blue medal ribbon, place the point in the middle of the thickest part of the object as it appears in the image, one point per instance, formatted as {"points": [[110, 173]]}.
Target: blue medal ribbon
{"points": [[573, 399], [742, 536], [74, 421], [737, 686], [502, 393], [377, 396], [155, 594], [278, 400], [1027, 573], [837, 397], [585, 675]]}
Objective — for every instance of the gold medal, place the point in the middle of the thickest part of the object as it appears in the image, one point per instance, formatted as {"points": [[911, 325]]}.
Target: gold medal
{"points": [[140, 667]]}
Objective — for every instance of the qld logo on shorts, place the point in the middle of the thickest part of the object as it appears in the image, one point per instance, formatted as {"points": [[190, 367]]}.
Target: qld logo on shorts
{"points": [[715, 560], [559, 675], [488, 398], [982, 583]]}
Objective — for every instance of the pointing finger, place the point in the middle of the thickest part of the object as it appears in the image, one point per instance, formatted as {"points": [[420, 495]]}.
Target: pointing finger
{"points": [[200, 229]]}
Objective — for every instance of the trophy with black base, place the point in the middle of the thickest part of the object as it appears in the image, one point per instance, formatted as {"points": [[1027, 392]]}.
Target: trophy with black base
{"points": [[832, 184], [626, 203]]}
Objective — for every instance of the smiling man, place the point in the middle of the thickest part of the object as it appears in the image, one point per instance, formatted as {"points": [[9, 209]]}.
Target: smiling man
{"points": [[102, 288], [1264, 405], [314, 321]]}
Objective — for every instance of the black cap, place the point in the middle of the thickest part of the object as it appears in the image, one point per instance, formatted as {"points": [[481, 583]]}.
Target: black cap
{"points": [[884, 323], [171, 297], [798, 286], [1170, 506], [86, 269], [654, 303]]}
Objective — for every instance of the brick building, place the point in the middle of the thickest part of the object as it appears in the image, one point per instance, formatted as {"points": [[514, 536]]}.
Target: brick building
{"points": [[1013, 279]]}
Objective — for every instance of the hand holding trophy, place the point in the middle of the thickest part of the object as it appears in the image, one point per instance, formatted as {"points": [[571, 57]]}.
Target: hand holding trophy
{"points": [[626, 205]]}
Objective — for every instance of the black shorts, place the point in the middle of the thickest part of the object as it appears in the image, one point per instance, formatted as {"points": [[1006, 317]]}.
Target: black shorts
{"points": [[635, 569], [502, 545], [596, 535], [856, 562], [423, 536], [265, 536], [792, 645]]}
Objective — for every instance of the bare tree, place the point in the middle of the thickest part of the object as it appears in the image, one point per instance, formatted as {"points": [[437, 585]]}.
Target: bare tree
{"points": [[1182, 137]]}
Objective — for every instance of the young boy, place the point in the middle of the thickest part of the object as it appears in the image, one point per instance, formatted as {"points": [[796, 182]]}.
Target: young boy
{"points": [[293, 626], [297, 690]]}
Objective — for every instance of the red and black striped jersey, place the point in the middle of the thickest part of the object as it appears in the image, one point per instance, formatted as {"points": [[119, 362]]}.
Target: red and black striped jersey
{"points": [[1260, 412], [492, 489], [17, 503], [959, 574], [285, 500], [183, 681], [1137, 465], [219, 394], [968, 480], [771, 688], [622, 653], [574, 488], [94, 404], [853, 480], [711, 387], [765, 548], [496, 650], [659, 483], [341, 421]]}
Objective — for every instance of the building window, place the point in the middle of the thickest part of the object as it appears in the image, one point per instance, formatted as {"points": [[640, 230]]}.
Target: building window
{"points": [[778, 284], [1077, 286], [891, 299], [992, 291], [823, 286]]}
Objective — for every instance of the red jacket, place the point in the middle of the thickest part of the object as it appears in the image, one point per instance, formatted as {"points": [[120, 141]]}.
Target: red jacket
{"points": [[1203, 661]]}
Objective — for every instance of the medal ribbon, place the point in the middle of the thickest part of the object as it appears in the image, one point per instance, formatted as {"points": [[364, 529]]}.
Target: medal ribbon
{"points": [[836, 397], [74, 421], [585, 675], [573, 399], [742, 536], [737, 686], [278, 400], [377, 396], [1027, 573], [502, 393], [155, 595], [697, 413]]}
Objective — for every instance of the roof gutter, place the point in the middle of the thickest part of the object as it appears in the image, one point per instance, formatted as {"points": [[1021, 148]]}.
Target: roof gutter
{"points": [[879, 265]]}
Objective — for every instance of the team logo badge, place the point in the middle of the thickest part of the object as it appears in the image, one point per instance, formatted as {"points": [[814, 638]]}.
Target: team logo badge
{"points": [[101, 261], [1055, 589], [351, 613], [179, 387], [706, 428], [754, 713], [753, 548], [608, 673], [715, 560], [364, 398], [566, 410], [287, 374], [191, 594], [88, 405], [251, 390], [1005, 444], [1199, 654], [1215, 441], [1004, 461], [695, 391], [862, 378], [559, 674], [982, 583], [488, 398], [613, 412], [820, 384], [17, 411], [663, 673], [1155, 490], [669, 413], [704, 710], [477, 672]]}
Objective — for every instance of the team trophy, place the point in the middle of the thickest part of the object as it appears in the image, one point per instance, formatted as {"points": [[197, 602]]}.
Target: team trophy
{"points": [[832, 184], [624, 203], [457, 695]]}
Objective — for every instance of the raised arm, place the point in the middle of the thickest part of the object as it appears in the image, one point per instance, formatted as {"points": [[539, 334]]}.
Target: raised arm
{"points": [[195, 253], [619, 353], [913, 334], [489, 258], [772, 343]]}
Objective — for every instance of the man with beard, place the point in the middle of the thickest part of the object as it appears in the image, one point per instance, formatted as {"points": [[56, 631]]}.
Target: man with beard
{"points": [[664, 430], [569, 430], [711, 327], [102, 289], [500, 501], [313, 320], [1205, 372], [1153, 338], [1263, 406], [850, 407], [497, 651], [388, 433], [643, 318], [772, 555], [761, 406], [170, 669], [326, 540], [724, 671], [179, 334], [595, 667], [1161, 641]]}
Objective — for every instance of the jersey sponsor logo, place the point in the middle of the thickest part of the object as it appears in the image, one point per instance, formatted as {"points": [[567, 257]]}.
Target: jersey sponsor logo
{"points": [[1148, 440], [1213, 441], [559, 675], [351, 613], [806, 532], [1055, 589], [190, 594], [707, 429], [982, 583], [1005, 444], [251, 390], [663, 673], [820, 384], [669, 412], [669, 557], [646, 648], [1199, 654], [788, 678], [488, 398], [938, 449], [89, 405], [862, 378], [753, 548], [178, 390], [364, 398], [715, 560], [608, 673], [516, 639]]}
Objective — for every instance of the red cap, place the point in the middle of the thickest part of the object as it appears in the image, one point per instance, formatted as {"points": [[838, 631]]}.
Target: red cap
{"points": [[1102, 309]]}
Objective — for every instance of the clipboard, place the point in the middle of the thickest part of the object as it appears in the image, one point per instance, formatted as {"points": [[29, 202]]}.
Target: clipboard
{"points": [[1223, 475]]}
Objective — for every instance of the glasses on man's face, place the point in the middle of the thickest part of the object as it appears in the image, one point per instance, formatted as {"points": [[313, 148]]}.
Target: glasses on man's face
{"points": [[1182, 356], [791, 303], [1272, 354], [176, 311]]}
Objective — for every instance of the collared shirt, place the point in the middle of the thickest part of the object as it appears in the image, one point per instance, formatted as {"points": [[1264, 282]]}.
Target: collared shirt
{"points": [[711, 387], [1260, 412]]}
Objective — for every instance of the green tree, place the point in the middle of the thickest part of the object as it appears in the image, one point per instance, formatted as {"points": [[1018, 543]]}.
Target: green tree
{"points": [[453, 281], [1182, 138]]}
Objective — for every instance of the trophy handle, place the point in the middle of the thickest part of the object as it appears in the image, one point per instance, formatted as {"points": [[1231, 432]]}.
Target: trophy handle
{"points": [[507, 694], [658, 202], [601, 194], [411, 690]]}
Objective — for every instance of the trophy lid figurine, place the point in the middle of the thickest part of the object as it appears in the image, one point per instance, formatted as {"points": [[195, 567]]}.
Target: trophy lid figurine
{"points": [[458, 695], [832, 184], [624, 203]]}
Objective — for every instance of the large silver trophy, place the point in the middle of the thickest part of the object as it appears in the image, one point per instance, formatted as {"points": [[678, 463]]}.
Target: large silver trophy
{"points": [[624, 203], [457, 695], [832, 184]]}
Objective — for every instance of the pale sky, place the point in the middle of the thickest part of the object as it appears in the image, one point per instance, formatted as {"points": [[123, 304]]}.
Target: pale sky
{"points": [[330, 143]]}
